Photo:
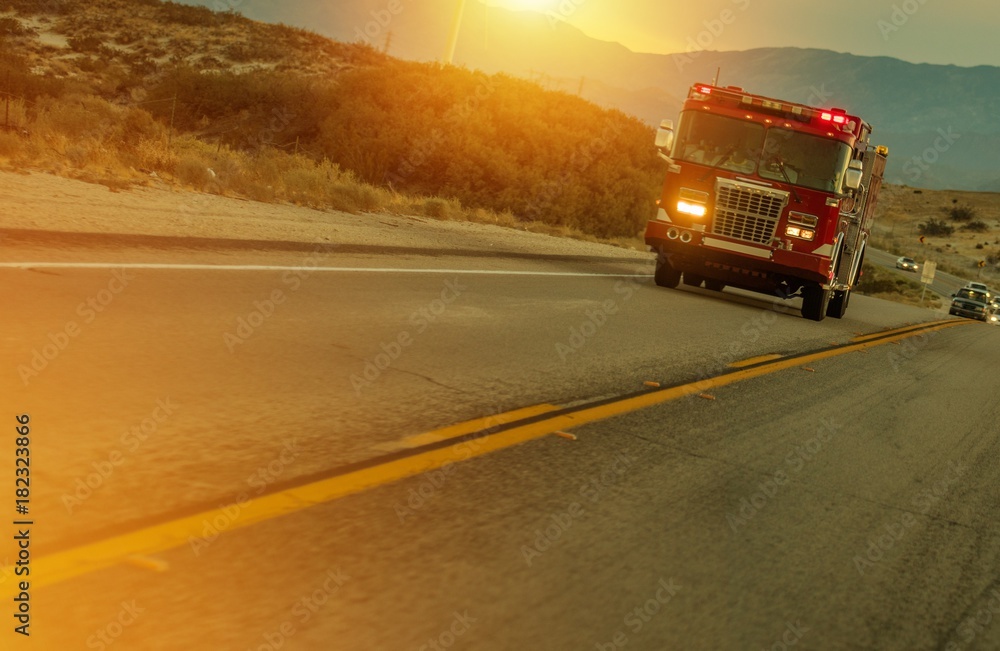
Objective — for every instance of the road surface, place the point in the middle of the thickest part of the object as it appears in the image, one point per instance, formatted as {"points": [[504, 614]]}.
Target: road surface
{"points": [[325, 450]]}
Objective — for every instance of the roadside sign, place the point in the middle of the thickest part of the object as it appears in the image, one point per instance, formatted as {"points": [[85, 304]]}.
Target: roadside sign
{"points": [[927, 276]]}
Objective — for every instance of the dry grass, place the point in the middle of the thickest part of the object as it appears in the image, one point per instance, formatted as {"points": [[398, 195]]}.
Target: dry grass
{"points": [[902, 209]]}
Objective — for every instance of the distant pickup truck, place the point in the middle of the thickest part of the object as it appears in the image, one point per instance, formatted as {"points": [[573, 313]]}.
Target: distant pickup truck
{"points": [[971, 303]]}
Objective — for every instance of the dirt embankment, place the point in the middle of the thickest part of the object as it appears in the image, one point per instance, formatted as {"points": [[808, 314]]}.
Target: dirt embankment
{"points": [[42, 208]]}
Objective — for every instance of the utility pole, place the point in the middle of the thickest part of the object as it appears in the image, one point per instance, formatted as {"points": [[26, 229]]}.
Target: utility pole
{"points": [[173, 111], [453, 40]]}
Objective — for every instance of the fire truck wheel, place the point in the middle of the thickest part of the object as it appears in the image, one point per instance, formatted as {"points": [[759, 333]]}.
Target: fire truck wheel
{"points": [[666, 276], [838, 304], [693, 280], [814, 302], [714, 285]]}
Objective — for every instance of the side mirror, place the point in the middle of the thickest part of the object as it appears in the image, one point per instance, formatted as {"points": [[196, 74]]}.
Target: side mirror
{"points": [[852, 178], [665, 135]]}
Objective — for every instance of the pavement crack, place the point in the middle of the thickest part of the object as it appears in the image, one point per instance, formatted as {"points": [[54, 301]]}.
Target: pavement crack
{"points": [[431, 380]]}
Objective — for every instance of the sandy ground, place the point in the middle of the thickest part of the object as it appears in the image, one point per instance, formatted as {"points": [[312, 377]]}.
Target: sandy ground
{"points": [[44, 202]]}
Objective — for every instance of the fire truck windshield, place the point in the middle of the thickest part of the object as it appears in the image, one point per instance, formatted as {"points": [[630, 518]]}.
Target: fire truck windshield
{"points": [[779, 154], [719, 141], [804, 159]]}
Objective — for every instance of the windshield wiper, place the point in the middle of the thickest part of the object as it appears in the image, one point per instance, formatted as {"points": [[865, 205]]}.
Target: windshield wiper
{"points": [[720, 163], [781, 168]]}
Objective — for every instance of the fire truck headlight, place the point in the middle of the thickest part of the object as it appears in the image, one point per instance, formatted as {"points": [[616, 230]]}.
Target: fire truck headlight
{"points": [[801, 233], [690, 208]]}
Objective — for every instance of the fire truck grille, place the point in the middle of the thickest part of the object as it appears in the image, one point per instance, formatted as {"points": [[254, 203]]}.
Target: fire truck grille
{"points": [[746, 213]]}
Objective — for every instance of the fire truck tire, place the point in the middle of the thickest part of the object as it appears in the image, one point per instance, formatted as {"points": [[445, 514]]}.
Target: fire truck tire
{"points": [[838, 304], [693, 280], [666, 276], [714, 285], [815, 300]]}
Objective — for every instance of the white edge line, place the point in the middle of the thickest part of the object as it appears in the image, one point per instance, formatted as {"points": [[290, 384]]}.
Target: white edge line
{"points": [[215, 267]]}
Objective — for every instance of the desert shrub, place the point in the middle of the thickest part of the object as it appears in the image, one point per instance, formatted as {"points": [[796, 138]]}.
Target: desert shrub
{"points": [[44, 7], [152, 155], [173, 12], [976, 227], [14, 27], [441, 208], [11, 145], [192, 171], [935, 227], [85, 44], [961, 213]]}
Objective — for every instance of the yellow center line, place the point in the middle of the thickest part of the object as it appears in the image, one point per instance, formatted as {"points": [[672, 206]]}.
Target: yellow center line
{"points": [[909, 328], [756, 360], [468, 427], [61, 566]]}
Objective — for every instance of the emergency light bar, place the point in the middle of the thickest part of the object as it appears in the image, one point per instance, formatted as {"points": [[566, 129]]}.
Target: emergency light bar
{"points": [[743, 99]]}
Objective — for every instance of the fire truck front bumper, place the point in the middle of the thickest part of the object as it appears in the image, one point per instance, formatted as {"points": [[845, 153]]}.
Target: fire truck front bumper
{"points": [[735, 262]]}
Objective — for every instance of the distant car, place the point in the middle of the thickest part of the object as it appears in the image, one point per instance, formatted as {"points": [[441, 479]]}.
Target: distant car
{"points": [[907, 264], [980, 287], [971, 303]]}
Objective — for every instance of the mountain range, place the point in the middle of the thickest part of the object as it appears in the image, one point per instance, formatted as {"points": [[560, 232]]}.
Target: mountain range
{"points": [[940, 122]]}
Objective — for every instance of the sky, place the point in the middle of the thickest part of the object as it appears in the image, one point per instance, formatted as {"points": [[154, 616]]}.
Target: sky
{"points": [[959, 32]]}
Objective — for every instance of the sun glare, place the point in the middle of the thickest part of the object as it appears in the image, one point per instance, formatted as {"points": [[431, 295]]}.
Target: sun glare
{"points": [[531, 5]]}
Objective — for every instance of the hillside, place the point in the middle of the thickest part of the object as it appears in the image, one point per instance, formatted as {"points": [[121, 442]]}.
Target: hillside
{"points": [[902, 210], [909, 104], [123, 91], [180, 97]]}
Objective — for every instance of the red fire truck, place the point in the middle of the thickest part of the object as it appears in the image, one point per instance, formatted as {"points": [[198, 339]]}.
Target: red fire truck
{"points": [[766, 195]]}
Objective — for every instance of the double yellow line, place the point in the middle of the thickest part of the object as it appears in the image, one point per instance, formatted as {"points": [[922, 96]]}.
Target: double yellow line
{"points": [[409, 457]]}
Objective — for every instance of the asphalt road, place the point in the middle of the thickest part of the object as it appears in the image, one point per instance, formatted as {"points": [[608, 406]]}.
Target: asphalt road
{"points": [[841, 501], [944, 284]]}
